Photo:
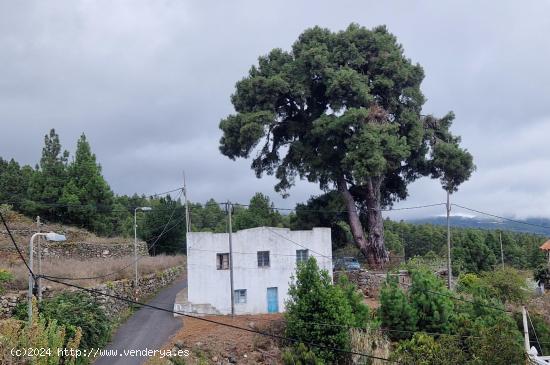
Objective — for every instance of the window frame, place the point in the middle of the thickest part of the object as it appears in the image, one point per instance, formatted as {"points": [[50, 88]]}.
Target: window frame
{"points": [[220, 260], [300, 255], [261, 258], [238, 295]]}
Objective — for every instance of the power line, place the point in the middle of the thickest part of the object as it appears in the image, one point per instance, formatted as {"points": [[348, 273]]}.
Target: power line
{"points": [[218, 323], [345, 211], [168, 192], [133, 262], [534, 330], [296, 243]]}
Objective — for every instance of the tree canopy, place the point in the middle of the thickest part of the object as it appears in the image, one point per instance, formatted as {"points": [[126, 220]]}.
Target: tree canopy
{"points": [[343, 109]]}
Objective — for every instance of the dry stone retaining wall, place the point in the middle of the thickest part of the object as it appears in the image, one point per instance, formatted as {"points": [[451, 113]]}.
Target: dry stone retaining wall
{"points": [[81, 250], [370, 282], [148, 285]]}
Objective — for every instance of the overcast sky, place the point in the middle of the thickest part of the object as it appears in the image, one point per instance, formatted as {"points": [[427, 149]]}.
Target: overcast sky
{"points": [[149, 81]]}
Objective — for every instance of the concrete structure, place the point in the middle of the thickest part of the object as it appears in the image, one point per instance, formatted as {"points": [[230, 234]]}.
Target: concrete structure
{"points": [[264, 259]]}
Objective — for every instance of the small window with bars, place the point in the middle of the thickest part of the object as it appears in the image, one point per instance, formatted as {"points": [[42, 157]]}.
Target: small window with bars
{"points": [[222, 261], [240, 296], [302, 256], [263, 258]]}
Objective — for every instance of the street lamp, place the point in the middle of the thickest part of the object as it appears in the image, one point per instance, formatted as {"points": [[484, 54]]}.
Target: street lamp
{"points": [[50, 236], [143, 209]]}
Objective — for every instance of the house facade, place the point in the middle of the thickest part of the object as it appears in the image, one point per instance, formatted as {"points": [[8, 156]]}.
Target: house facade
{"points": [[264, 260]]}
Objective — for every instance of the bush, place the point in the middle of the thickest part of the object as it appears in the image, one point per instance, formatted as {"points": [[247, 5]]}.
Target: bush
{"points": [[79, 309], [507, 284], [472, 284], [500, 344], [5, 277], [423, 349], [318, 312], [433, 312], [300, 355], [360, 311], [42, 333], [396, 312], [542, 274], [76, 311]]}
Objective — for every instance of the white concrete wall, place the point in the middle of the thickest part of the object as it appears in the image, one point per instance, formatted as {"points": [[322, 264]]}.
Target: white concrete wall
{"points": [[206, 284]]}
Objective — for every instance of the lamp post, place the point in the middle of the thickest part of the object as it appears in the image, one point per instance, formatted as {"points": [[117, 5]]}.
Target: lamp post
{"points": [[143, 209], [51, 236]]}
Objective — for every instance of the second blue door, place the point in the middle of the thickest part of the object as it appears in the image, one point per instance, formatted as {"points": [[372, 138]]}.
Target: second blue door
{"points": [[272, 300]]}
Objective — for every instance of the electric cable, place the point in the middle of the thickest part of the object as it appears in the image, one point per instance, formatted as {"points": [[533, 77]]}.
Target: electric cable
{"points": [[310, 344]]}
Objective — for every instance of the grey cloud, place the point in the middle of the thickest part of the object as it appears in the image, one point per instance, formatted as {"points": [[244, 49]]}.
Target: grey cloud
{"points": [[148, 82]]}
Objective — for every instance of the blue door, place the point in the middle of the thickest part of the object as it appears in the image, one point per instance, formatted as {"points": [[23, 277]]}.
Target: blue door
{"points": [[272, 300]]}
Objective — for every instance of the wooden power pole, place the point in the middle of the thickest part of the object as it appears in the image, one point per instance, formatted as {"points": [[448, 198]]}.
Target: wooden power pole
{"points": [[449, 268], [501, 250]]}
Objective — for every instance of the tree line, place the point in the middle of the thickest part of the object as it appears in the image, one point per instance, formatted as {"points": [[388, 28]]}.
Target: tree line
{"points": [[74, 191]]}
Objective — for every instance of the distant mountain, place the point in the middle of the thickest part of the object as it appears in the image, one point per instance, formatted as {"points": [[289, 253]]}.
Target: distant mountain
{"points": [[530, 225]]}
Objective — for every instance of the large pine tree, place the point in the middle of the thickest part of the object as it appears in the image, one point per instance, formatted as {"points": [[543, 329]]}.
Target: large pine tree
{"points": [[47, 184], [87, 194]]}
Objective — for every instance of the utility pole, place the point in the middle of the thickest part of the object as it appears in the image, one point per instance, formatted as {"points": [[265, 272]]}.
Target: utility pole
{"points": [[229, 209], [135, 255], [187, 220], [31, 279], [39, 280], [501, 250], [449, 269]]}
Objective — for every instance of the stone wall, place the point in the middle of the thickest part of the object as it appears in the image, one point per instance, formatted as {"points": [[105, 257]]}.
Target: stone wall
{"points": [[148, 285], [81, 250], [370, 282]]}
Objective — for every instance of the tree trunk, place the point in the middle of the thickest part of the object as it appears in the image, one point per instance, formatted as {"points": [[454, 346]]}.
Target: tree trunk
{"points": [[375, 221], [355, 223]]}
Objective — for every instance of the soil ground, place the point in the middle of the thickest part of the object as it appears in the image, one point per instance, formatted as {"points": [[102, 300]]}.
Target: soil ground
{"points": [[210, 343]]}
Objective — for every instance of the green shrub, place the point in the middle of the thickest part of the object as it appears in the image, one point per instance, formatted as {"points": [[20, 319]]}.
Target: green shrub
{"points": [[355, 298], [507, 284], [395, 311], [423, 349], [500, 344], [313, 302], [41, 334], [75, 310], [300, 355], [5, 277], [542, 274], [79, 309], [433, 311], [470, 283]]}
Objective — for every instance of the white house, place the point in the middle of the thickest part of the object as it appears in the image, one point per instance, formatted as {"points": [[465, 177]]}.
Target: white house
{"points": [[264, 259]]}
